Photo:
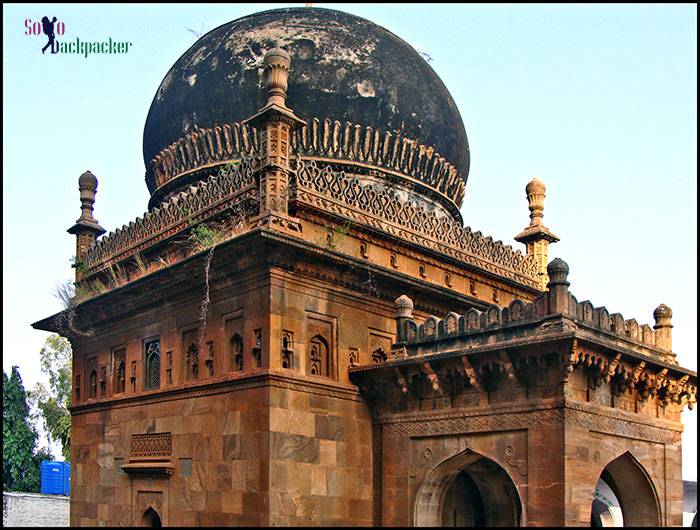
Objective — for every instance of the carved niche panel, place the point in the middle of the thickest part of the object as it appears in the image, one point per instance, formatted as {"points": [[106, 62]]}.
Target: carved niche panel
{"points": [[234, 344], [379, 345], [287, 361], [321, 356], [189, 346], [119, 371], [91, 376], [151, 363]]}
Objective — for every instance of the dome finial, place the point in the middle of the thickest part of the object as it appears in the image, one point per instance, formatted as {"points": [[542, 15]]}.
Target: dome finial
{"points": [[535, 191], [663, 335], [86, 229], [536, 236], [277, 63]]}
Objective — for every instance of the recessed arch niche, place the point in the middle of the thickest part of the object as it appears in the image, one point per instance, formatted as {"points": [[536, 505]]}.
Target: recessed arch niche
{"points": [[468, 489]]}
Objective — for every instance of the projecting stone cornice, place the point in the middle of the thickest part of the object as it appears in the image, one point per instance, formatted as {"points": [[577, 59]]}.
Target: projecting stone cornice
{"points": [[524, 341], [316, 188], [223, 384]]}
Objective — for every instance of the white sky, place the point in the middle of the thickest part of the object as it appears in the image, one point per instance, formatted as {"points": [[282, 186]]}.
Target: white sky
{"points": [[599, 101]]}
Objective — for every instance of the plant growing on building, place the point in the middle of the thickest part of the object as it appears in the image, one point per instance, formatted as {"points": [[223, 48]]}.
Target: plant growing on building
{"points": [[232, 164], [334, 237], [79, 265], [204, 236], [117, 276]]}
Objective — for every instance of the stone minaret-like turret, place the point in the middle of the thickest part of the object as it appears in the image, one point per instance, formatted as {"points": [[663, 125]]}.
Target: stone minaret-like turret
{"points": [[275, 121], [86, 228], [536, 237]]}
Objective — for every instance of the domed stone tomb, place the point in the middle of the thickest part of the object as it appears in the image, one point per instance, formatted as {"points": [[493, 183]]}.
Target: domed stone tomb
{"points": [[300, 331]]}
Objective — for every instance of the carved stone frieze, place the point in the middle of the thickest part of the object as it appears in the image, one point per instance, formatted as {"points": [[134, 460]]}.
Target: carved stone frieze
{"points": [[229, 383], [373, 205], [469, 424], [231, 186], [151, 445], [619, 425]]}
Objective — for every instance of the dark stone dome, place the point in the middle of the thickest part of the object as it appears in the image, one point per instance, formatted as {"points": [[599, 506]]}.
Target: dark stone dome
{"points": [[344, 68]]}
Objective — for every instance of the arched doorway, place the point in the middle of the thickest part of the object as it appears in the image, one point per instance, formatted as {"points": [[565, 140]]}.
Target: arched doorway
{"points": [[625, 496], [468, 490], [151, 518]]}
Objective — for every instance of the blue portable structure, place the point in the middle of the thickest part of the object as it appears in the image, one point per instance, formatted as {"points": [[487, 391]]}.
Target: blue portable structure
{"points": [[66, 478], [55, 478]]}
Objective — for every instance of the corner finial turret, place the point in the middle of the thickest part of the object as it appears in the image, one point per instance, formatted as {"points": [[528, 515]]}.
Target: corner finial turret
{"points": [[536, 236], [275, 121], [558, 285], [404, 312], [404, 307], [86, 228], [277, 63], [535, 191], [663, 326], [87, 184]]}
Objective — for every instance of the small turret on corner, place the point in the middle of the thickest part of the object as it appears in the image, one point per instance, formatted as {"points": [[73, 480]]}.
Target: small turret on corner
{"points": [[662, 325], [275, 122], [536, 237], [86, 228]]}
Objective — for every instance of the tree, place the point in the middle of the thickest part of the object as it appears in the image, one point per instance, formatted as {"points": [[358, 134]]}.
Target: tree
{"points": [[20, 465], [53, 404]]}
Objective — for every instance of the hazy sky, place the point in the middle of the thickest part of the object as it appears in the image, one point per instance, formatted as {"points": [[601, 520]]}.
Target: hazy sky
{"points": [[598, 101]]}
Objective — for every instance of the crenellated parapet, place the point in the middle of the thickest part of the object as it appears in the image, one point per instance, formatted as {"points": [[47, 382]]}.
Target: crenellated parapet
{"points": [[380, 149], [511, 342], [334, 191], [557, 301], [321, 139], [232, 185], [202, 148], [387, 209]]}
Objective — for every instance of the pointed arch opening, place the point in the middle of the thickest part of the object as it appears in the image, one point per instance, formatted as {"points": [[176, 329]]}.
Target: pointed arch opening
{"points": [[92, 388], [625, 495], [605, 511], [151, 358], [468, 489], [236, 353], [151, 518], [120, 378], [318, 361]]}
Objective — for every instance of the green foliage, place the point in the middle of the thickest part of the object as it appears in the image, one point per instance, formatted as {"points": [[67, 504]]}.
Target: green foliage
{"points": [[56, 362], [79, 265], [204, 237], [20, 465], [334, 236]]}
